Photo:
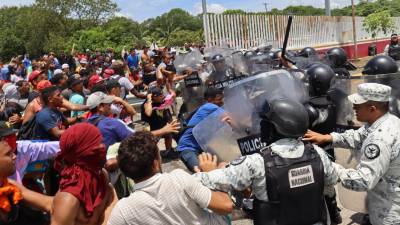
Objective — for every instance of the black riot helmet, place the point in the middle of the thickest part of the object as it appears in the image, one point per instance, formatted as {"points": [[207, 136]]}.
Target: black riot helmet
{"points": [[249, 54], [283, 118], [307, 51], [380, 64], [337, 57], [217, 58], [320, 77]]}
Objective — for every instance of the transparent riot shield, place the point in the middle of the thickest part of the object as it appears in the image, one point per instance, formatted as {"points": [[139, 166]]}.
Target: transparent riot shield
{"points": [[192, 87], [304, 62], [243, 103], [393, 81], [240, 67], [261, 63], [342, 87], [187, 61]]}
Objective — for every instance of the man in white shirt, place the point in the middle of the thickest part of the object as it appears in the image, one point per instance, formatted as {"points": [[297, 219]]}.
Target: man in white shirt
{"points": [[163, 198]]}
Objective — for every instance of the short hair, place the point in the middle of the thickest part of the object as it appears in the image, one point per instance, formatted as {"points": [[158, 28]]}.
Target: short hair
{"points": [[20, 83], [393, 35], [118, 67], [47, 93], [112, 84], [55, 80], [136, 155], [99, 87], [381, 106], [212, 92]]}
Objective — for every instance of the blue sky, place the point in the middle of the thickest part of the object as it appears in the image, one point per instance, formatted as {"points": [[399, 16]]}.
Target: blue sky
{"points": [[140, 10]]}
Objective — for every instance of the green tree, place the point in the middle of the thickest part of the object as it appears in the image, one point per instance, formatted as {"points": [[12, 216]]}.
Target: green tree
{"points": [[378, 22], [233, 11]]}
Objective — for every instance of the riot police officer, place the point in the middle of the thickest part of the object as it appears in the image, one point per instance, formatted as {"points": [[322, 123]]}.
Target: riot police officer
{"points": [[378, 143], [382, 67], [307, 52], [380, 64], [302, 171], [221, 71], [393, 48], [322, 111], [337, 59]]}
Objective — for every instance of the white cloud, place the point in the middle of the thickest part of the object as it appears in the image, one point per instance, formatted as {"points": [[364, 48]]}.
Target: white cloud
{"points": [[15, 2], [121, 14], [211, 8]]}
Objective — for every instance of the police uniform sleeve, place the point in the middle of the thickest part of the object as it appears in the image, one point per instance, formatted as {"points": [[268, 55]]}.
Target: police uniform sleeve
{"points": [[373, 164], [238, 175], [330, 175], [351, 139]]}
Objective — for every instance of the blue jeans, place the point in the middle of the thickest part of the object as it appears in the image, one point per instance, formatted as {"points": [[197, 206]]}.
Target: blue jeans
{"points": [[190, 159]]}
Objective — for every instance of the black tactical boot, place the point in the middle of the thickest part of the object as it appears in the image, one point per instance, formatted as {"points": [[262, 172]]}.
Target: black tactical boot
{"points": [[334, 211]]}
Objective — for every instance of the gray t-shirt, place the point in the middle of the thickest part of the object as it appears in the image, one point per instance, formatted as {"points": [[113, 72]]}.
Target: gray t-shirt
{"points": [[126, 85], [167, 198]]}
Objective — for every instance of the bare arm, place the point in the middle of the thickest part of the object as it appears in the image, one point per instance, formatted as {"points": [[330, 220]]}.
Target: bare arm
{"points": [[112, 201], [74, 107], [128, 108], [55, 132], [29, 113], [220, 203], [172, 127], [137, 94], [148, 108], [179, 77], [34, 199], [65, 209]]}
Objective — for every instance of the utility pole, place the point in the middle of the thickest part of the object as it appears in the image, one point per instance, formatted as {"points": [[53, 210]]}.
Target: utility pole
{"points": [[353, 15], [205, 23], [327, 7], [266, 6]]}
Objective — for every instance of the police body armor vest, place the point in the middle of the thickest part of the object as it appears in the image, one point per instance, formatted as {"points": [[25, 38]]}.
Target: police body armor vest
{"points": [[394, 52], [295, 190]]}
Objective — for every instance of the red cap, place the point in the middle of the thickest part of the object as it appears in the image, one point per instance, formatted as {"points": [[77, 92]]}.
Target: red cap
{"points": [[34, 75], [95, 79], [43, 84], [108, 73]]}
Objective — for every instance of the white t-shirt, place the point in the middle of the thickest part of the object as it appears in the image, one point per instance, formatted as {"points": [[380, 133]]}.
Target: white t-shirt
{"points": [[167, 198], [126, 85]]}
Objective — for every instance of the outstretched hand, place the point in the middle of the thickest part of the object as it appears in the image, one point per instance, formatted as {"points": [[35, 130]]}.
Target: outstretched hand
{"points": [[172, 127], [317, 138], [207, 162]]}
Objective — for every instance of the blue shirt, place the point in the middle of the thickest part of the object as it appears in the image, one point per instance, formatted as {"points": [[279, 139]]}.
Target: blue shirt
{"points": [[133, 61], [187, 140], [47, 119], [112, 130]]}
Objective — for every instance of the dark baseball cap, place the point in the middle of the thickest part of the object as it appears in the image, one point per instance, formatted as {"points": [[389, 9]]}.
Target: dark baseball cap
{"points": [[156, 91], [5, 129]]}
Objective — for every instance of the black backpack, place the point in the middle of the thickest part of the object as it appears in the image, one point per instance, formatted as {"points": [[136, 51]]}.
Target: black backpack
{"points": [[28, 130]]}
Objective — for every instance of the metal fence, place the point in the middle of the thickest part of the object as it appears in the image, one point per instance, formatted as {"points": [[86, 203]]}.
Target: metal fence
{"points": [[245, 31]]}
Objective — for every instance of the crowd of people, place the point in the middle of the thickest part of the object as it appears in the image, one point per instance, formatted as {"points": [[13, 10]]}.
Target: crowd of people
{"points": [[70, 151]]}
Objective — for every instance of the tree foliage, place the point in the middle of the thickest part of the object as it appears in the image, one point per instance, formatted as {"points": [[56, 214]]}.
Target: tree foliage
{"points": [[55, 25], [379, 22]]}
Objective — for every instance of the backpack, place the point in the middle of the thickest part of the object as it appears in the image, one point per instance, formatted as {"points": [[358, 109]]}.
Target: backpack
{"points": [[28, 130]]}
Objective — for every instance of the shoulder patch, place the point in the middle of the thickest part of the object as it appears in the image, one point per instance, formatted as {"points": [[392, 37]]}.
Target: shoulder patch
{"points": [[372, 151], [237, 161]]}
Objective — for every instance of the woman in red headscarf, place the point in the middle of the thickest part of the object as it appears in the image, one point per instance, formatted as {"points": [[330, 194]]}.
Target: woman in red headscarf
{"points": [[85, 195]]}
